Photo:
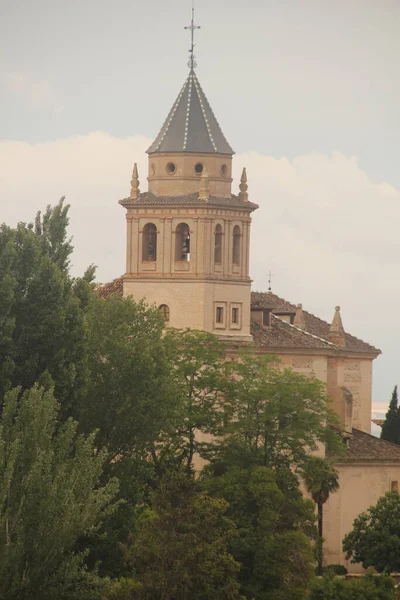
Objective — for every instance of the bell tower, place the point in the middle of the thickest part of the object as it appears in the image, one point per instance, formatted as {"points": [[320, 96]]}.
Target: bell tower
{"points": [[188, 236]]}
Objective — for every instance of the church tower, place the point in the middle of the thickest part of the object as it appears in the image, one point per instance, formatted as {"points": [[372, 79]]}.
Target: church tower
{"points": [[188, 236]]}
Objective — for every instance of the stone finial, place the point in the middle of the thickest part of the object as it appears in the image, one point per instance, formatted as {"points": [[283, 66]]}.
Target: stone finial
{"points": [[299, 319], [336, 333], [135, 191], [204, 185], [243, 195]]}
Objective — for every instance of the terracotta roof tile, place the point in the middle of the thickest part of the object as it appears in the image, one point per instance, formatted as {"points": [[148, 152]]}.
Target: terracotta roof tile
{"points": [[282, 335], [314, 325], [115, 286], [363, 446], [148, 198]]}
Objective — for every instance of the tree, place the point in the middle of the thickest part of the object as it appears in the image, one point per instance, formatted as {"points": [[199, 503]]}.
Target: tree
{"points": [[321, 479], [391, 426], [197, 370], [179, 550], [274, 524], [130, 395], [50, 496], [277, 416], [367, 587], [42, 320], [375, 538]]}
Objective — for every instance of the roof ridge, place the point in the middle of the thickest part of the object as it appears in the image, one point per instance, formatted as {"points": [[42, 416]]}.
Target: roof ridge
{"points": [[198, 90]]}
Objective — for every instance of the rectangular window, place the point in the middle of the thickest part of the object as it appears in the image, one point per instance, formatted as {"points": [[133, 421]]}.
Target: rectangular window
{"points": [[220, 314], [394, 486], [266, 318], [235, 315]]}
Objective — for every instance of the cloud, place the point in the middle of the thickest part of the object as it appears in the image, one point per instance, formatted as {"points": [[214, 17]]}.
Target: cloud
{"points": [[34, 94], [324, 228]]}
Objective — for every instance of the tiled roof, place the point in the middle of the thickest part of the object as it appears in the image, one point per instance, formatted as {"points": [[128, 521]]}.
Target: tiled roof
{"points": [[281, 335], [105, 290], [148, 198], [191, 125], [313, 325], [363, 446]]}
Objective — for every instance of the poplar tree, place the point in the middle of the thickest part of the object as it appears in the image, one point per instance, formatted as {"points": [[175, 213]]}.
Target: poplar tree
{"points": [[391, 426]]}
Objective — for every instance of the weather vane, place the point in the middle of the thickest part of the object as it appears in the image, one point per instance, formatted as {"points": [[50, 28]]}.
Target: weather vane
{"points": [[192, 62], [270, 276]]}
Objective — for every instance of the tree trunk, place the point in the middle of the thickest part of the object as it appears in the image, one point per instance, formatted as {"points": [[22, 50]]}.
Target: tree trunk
{"points": [[320, 538]]}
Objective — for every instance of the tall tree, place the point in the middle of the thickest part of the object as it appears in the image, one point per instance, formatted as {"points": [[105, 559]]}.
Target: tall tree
{"points": [[321, 479], [276, 416], [274, 524], [50, 495], [197, 371], [179, 550], [391, 426], [43, 330]]}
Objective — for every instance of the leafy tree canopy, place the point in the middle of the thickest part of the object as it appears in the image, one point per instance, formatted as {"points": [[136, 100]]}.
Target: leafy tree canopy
{"points": [[42, 322], [368, 587], [179, 549], [375, 538], [50, 495], [275, 416]]}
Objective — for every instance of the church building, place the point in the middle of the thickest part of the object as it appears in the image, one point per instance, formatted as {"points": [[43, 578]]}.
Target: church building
{"points": [[187, 252]]}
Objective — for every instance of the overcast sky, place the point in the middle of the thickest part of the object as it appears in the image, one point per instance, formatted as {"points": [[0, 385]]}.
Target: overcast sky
{"points": [[306, 91]]}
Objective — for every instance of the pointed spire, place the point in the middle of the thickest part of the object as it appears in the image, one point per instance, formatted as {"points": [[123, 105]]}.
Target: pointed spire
{"points": [[135, 191], [336, 333], [243, 195], [204, 185], [299, 319]]}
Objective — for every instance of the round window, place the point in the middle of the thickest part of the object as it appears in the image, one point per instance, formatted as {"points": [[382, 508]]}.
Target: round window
{"points": [[198, 168], [224, 170], [171, 168]]}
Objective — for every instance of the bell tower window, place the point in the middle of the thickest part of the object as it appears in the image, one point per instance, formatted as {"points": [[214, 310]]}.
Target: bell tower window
{"points": [[218, 245], [236, 245], [182, 242], [149, 247]]}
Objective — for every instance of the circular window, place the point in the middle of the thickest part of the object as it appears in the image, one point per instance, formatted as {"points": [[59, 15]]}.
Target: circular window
{"points": [[198, 168], [153, 169], [171, 168], [224, 170]]}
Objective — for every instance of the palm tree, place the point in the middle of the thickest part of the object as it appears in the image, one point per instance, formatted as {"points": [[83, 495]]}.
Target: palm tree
{"points": [[320, 478]]}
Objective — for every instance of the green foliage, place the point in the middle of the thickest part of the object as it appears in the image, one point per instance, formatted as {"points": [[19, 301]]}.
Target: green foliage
{"points": [[375, 538], [391, 426], [336, 569], [49, 497], [277, 416], [197, 360], [274, 524], [179, 550], [321, 479], [367, 587], [42, 322], [130, 395]]}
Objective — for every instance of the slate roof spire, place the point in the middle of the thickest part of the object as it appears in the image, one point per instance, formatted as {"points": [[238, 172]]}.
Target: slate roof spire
{"points": [[191, 125]]}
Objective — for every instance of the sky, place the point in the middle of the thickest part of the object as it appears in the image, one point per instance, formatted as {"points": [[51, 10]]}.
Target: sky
{"points": [[306, 91]]}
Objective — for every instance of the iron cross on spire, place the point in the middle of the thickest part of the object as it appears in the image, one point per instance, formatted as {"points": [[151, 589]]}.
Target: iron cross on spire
{"points": [[192, 63]]}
